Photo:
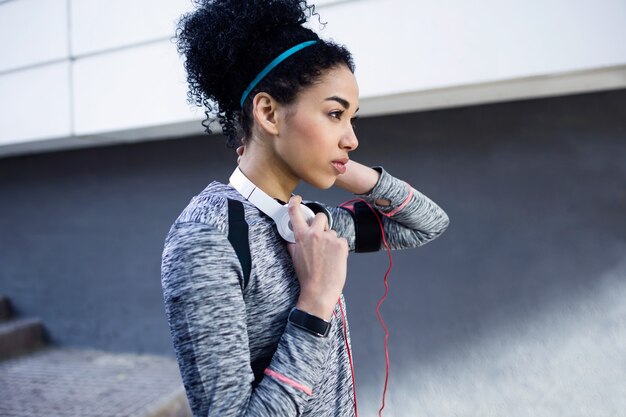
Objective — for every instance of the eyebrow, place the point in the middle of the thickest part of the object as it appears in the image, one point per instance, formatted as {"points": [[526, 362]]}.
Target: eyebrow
{"points": [[345, 103]]}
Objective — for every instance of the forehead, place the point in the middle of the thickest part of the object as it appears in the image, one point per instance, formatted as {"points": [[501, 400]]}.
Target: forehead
{"points": [[338, 81]]}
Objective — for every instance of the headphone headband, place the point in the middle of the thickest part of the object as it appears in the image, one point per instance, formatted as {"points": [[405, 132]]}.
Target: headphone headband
{"points": [[253, 194]]}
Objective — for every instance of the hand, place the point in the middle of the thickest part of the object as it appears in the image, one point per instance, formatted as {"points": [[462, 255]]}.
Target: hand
{"points": [[320, 259], [359, 179]]}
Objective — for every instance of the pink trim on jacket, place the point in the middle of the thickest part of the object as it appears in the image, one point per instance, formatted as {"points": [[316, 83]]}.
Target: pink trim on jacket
{"points": [[401, 206], [289, 381]]}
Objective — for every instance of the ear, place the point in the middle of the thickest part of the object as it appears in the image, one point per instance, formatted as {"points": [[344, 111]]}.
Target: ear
{"points": [[264, 110]]}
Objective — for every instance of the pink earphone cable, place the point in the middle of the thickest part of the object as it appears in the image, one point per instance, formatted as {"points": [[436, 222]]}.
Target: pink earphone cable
{"points": [[345, 338], [380, 318]]}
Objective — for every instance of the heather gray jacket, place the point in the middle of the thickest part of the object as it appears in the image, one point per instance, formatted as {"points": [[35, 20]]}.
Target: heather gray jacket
{"points": [[238, 355]]}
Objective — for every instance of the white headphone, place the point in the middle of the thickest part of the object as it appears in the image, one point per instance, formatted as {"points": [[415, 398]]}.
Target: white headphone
{"points": [[271, 207]]}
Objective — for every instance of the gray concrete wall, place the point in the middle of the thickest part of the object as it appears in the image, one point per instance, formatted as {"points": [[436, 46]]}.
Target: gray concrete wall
{"points": [[518, 309]]}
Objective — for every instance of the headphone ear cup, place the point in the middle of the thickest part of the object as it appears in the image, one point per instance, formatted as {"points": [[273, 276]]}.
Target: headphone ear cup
{"points": [[283, 222], [319, 208]]}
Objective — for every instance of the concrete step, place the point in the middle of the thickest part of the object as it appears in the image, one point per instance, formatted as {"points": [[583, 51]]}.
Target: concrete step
{"points": [[68, 382], [20, 336], [5, 308]]}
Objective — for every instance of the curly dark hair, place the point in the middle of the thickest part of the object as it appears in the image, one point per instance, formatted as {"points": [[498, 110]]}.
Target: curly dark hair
{"points": [[226, 43]]}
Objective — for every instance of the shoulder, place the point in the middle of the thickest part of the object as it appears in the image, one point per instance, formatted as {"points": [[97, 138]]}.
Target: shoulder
{"points": [[204, 221], [210, 207]]}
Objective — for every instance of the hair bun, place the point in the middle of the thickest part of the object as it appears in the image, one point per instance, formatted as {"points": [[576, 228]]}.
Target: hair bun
{"points": [[266, 16], [221, 38]]}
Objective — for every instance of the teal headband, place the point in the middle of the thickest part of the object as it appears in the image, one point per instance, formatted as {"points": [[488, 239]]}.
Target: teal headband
{"points": [[280, 58]]}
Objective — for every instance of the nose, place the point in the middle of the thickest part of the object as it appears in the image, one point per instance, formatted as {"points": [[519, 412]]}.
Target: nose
{"points": [[349, 141]]}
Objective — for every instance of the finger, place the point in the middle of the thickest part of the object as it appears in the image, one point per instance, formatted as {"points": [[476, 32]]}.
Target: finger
{"points": [[320, 221], [291, 248], [295, 215]]}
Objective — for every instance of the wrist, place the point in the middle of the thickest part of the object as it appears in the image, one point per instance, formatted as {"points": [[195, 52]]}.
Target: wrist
{"points": [[316, 307], [358, 178]]}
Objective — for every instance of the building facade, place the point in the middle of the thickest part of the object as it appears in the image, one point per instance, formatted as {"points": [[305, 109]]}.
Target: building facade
{"points": [[512, 117]]}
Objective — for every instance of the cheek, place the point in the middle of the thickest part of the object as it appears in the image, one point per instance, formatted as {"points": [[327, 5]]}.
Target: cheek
{"points": [[310, 139], [308, 135]]}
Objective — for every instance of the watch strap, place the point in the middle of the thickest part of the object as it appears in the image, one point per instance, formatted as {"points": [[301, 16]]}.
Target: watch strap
{"points": [[308, 322]]}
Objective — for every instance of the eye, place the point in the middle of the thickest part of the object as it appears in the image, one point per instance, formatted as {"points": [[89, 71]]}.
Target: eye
{"points": [[353, 121], [336, 114]]}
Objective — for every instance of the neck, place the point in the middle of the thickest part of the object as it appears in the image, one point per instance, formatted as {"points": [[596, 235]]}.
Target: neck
{"points": [[261, 166]]}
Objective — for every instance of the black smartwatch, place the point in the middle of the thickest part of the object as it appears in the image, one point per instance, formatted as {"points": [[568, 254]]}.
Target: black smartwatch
{"points": [[308, 322]]}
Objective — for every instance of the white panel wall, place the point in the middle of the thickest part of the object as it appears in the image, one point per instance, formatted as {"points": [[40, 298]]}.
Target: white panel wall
{"points": [[127, 83], [35, 104], [32, 32], [414, 45], [98, 25], [130, 88]]}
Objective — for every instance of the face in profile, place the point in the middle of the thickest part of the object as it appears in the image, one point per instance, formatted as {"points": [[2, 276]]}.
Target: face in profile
{"points": [[316, 134]]}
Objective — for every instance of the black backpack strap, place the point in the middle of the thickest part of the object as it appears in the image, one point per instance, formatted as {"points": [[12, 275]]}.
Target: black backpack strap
{"points": [[238, 237]]}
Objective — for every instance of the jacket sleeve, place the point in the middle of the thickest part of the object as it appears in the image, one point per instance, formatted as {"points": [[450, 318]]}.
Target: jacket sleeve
{"points": [[411, 220], [200, 276]]}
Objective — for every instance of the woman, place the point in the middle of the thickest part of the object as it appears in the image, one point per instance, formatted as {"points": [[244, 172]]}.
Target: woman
{"points": [[273, 340]]}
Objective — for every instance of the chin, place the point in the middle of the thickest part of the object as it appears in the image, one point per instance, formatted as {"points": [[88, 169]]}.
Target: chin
{"points": [[321, 183]]}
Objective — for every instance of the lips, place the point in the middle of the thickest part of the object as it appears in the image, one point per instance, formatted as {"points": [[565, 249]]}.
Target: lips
{"points": [[340, 165]]}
